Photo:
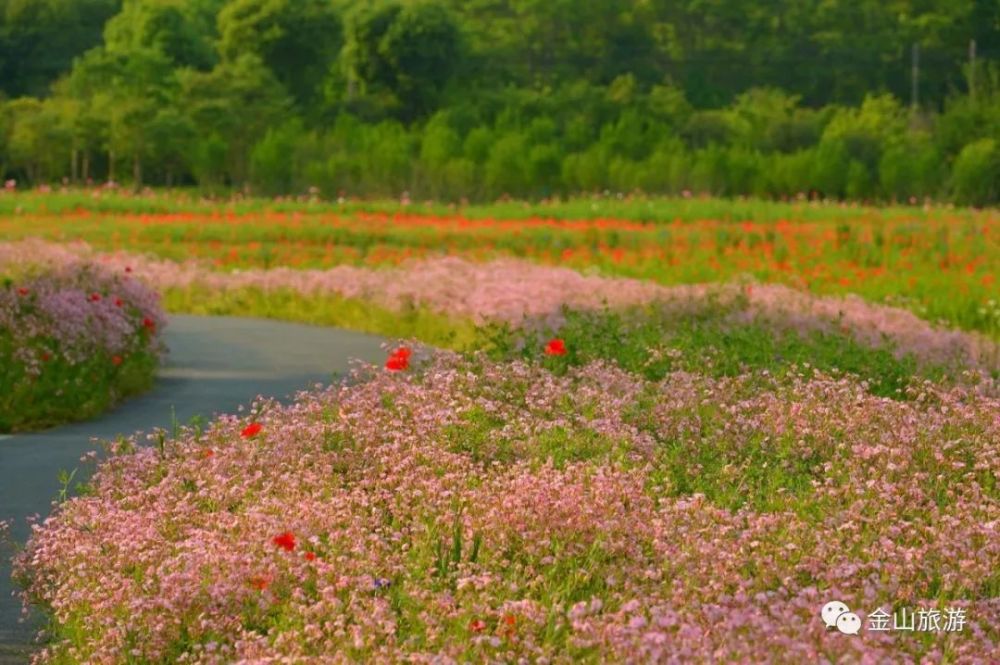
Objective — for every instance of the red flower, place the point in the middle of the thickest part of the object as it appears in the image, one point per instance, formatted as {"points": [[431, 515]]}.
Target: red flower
{"points": [[95, 297], [285, 541], [208, 452], [128, 268], [118, 302], [46, 357], [149, 324], [260, 582], [509, 619], [116, 360], [399, 359], [310, 556], [477, 625], [397, 363], [23, 291], [251, 430], [555, 347]]}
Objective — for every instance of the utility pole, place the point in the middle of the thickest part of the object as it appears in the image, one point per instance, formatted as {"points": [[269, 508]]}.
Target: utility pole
{"points": [[972, 69], [915, 76]]}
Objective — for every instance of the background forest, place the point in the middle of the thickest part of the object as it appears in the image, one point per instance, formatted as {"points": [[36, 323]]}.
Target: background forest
{"points": [[477, 99]]}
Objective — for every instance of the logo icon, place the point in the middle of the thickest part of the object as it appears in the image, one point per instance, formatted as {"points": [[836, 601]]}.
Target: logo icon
{"points": [[849, 623], [838, 615]]}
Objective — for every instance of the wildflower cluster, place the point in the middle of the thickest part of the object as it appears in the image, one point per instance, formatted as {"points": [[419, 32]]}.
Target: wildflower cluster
{"points": [[472, 510], [74, 336]]}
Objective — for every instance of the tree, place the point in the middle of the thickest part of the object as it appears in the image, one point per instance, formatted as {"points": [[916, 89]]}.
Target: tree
{"points": [[40, 38], [407, 51], [36, 139], [298, 40], [232, 107], [166, 26]]}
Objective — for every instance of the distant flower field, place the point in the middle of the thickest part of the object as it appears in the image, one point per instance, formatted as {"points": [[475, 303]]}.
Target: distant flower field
{"points": [[939, 262]]}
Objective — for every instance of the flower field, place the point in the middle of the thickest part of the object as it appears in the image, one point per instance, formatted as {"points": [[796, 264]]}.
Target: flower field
{"points": [[939, 262], [465, 509], [75, 337], [628, 439]]}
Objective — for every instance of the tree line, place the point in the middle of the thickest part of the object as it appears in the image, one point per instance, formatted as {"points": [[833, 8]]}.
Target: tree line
{"points": [[477, 99]]}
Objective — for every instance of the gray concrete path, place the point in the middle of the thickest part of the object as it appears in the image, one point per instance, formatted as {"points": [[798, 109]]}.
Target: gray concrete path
{"points": [[215, 364]]}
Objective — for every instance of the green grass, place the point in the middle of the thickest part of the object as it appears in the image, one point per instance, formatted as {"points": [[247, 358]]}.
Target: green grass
{"points": [[328, 310], [654, 341], [638, 208]]}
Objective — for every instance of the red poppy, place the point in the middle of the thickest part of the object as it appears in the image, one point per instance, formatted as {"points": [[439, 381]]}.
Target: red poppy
{"points": [[116, 360], [149, 324], [310, 556], [251, 430], [555, 347], [403, 352], [477, 625], [46, 357], [208, 452], [128, 268], [285, 541], [118, 302], [509, 619], [95, 297], [397, 363], [260, 582], [23, 291]]}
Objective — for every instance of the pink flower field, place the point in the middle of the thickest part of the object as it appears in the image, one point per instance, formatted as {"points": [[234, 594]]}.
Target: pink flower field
{"points": [[458, 507], [514, 291], [470, 510]]}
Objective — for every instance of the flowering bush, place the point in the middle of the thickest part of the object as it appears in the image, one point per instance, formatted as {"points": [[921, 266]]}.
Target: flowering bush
{"points": [[474, 510], [75, 337]]}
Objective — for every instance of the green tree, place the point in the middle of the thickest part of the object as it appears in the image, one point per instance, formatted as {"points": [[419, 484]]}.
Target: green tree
{"points": [[166, 26], [298, 40], [408, 51], [232, 108], [40, 38]]}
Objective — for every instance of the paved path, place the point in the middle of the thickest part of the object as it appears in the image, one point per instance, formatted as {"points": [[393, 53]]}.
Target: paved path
{"points": [[214, 365]]}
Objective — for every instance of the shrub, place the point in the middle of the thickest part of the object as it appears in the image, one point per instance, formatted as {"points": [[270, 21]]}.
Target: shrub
{"points": [[975, 177]]}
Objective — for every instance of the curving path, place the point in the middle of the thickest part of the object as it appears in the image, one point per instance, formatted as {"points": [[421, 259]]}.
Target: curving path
{"points": [[215, 364]]}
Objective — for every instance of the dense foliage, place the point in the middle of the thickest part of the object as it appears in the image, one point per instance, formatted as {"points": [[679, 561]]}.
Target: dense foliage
{"points": [[477, 99]]}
